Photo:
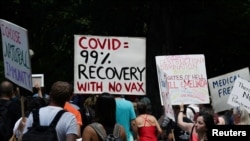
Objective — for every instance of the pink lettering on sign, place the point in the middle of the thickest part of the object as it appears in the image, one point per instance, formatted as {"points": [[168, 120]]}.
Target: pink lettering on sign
{"points": [[194, 83], [101, 43], [115, 87], [90, 86], [132, 86], [10, 33], [128, 87], [181, 63]]}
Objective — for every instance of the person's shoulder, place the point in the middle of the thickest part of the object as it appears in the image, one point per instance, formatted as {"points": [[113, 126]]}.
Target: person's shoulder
{"points": [[89, 128], [4, 102], [123, 134], [75, 106], [68, 115], [153, 117], [70, 108], [89, 133], [128, 102], [14, 105]]}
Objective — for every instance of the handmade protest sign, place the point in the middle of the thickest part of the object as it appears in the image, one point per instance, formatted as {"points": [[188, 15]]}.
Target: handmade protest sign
{"points": [[221, 86], [109, 64], [17, 67], [38, 79], [186, 78], [240, 95]]}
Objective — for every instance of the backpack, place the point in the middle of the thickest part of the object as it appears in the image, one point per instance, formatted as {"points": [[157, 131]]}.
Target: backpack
{"points": [[102, 132], [165, 122], [195, 113], [5, 128], [42, 133]]}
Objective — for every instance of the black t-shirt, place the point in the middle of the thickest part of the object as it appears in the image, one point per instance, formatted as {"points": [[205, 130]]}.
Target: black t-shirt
{"points": [[13, 114], [181, 135]]}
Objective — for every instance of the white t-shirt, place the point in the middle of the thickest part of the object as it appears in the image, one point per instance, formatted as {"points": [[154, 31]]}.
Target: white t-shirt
{"points": [[67, 124], [189, 113]]}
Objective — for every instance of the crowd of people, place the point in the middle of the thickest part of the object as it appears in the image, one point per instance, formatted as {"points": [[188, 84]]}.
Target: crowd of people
{"points": [[135, 118]]}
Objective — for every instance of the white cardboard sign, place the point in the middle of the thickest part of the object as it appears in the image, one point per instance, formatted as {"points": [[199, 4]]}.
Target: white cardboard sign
{"points": [[110, 64], [17, 66], [221, 86], [240, 95], [186, 78]]}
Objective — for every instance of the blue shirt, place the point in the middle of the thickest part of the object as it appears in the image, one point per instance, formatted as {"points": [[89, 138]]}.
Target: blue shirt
{"points": [[125, 112]]}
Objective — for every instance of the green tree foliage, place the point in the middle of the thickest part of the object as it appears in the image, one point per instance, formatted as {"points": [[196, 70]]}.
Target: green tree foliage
{"points": [[52, 24], [218, 29]]}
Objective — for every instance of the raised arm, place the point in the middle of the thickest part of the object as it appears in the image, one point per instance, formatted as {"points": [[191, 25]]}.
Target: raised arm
{"points": [[183, 125]]}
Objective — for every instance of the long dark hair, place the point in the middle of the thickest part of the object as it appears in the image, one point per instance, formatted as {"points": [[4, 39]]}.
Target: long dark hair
{"points": [[141, 108], [34, 103], [105, 109], [209, 122]]}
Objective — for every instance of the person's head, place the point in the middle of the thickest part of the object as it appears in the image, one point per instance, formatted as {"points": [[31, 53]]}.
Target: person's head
{"points": [[147, 102], [141, 108], [34, 103], [106, 109], [60, 93], [90, 101], [6, 89], [241, 116], [204, 122]]}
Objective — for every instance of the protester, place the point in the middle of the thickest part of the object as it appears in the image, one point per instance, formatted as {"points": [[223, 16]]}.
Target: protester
{"points": [[66, 127], [125, 115], [88, 110], [105, 109], [40, 92], [240, 116], [180, 134], [164, 122], [13, 110], [32, 104], [198, 130], [148, 126]]}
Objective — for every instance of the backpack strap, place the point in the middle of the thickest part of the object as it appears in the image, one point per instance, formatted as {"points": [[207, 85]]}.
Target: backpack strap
{"points": [[56, 118], [117, 130], [192, 109], [36, 118], [99, 130]]}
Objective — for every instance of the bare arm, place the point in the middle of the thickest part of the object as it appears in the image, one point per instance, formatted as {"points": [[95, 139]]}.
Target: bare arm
{"points": [[134, 128], [39, 90], [157, 126], [70, 137], [123, 134], [86, 134], [183, 125], [89, 134], [78, 130]]}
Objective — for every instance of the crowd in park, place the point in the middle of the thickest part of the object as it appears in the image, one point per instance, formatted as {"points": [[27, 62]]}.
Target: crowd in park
{"points": [[103, 114]]}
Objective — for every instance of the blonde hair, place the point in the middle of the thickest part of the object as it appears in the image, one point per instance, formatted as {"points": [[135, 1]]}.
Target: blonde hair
{"points": [[243, 113], [90, 101]]}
